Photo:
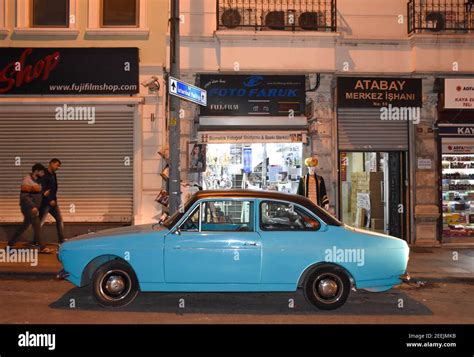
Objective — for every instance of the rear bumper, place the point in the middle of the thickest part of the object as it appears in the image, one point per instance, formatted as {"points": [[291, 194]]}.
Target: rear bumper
{"points": [[405, 277]]}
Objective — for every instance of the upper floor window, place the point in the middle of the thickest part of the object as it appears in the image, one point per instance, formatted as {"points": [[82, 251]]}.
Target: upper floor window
{"points": [[49, 13], [117, 18], [120, 13]]}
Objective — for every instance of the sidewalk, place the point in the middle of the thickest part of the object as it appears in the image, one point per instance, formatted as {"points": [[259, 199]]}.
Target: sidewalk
{"points": [[425, 263], [46, 264]]}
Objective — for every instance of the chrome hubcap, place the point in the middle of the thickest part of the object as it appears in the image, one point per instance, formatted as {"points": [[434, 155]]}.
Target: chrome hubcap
{"points": [[328, 288], [115, 285]]}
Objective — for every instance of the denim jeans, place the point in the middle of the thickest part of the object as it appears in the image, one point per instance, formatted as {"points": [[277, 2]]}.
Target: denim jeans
{"points": [[56, 213]]}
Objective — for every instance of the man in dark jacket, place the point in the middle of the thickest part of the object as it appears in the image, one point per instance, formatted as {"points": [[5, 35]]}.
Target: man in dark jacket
{"points": [[49, 203], [30, 202]]}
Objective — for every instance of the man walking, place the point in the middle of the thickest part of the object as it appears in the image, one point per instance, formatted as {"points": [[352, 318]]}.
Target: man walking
{"points": [[30, 202], [49, 203]]}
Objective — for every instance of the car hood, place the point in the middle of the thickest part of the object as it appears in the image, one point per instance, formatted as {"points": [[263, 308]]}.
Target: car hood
{"points": [[115, 232]]}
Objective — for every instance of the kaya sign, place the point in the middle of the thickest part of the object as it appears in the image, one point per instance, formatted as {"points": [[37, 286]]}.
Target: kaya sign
{"points": [[355, 92], [459, 93]]}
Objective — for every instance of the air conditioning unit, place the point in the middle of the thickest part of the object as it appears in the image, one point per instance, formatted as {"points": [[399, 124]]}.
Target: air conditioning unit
{"points": [[311, 20], [435, 21], [231, 18], [275, 20]]}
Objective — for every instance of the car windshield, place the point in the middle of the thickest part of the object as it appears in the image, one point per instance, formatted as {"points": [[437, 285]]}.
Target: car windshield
{"points": [[175, 217]]}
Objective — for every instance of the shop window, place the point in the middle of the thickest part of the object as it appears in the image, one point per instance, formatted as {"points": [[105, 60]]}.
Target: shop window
{"points": [[282, 216], [117, 17], [50, 13], [116, 13]]}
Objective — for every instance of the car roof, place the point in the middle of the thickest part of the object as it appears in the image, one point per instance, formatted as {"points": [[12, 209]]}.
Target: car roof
{"points": [[275, 195]]}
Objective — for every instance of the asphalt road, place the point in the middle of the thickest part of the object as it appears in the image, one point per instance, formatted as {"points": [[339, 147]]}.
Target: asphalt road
{"points": [[41, 299]]}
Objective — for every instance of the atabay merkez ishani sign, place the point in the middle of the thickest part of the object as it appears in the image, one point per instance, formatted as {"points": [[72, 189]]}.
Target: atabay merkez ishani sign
{"points": [[356, 92]]}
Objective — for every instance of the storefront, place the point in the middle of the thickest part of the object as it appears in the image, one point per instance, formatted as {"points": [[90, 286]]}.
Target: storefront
{"points": [[373, 115], [456, 148], [85, 117], [252, 133]]}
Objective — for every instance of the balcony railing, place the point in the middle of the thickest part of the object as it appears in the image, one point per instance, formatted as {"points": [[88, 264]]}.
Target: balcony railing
{"points": [[290, 15], [438, 16]]}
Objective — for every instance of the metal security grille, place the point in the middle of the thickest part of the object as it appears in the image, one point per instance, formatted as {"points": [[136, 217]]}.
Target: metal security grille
{"points": [[363, 130], [440, 16], [290, 15], [96, 177]]}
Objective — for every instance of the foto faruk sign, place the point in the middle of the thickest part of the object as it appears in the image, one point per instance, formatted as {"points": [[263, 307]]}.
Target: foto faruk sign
{"points": [[253, 95]]}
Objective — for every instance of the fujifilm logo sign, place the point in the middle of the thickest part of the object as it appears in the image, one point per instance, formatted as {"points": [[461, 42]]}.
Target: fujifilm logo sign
{"points": [[401, 113], [28, 339]]}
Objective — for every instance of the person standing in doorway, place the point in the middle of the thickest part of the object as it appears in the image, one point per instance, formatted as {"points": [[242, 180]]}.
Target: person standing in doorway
{"points": [[30, 202], [49, 203]]}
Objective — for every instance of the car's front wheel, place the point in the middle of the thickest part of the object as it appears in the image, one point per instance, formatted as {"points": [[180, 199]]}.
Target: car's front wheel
{"points": [[114, 284], [327, 288]]}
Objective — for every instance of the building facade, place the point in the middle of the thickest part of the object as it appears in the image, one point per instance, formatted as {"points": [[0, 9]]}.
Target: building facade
{"points": [[371, 71], [82, 80]]}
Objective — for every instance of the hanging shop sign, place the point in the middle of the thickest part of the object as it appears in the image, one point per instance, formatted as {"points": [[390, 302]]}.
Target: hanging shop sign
{"points": [[459, 93], [356, 92], [197, 157], [68, 71], [211, 137], [253, 95], [453, 130]]}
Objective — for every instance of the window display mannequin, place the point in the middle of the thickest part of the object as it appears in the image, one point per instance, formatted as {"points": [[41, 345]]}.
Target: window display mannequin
{"points": [[312, 185]]}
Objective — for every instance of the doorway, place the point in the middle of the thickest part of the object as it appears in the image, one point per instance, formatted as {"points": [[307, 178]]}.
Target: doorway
{"points": [[373, 191]]}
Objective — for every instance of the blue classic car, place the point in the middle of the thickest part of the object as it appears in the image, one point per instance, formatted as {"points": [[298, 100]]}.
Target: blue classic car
{"points": [[237, 241]]}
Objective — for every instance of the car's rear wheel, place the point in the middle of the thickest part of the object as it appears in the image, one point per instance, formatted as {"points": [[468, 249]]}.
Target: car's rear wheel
{"points": [[327, 288], [114, 284]]}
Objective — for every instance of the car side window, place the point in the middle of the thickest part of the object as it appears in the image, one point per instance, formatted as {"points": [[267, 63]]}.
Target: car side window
{"points": [[283, 216], [192, 223], [227, 215]]}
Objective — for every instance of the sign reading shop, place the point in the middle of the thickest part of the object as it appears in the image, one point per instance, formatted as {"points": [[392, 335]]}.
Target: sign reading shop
{"points": [[253, 95], [68, 71], [356, 92]]}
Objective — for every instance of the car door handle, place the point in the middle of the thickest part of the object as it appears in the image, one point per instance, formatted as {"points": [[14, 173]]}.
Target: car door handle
{"points": [[250, 244]]}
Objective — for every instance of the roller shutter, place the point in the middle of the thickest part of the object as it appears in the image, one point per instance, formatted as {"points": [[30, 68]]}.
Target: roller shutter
{"points": [[363, 130], [96, 177]]}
